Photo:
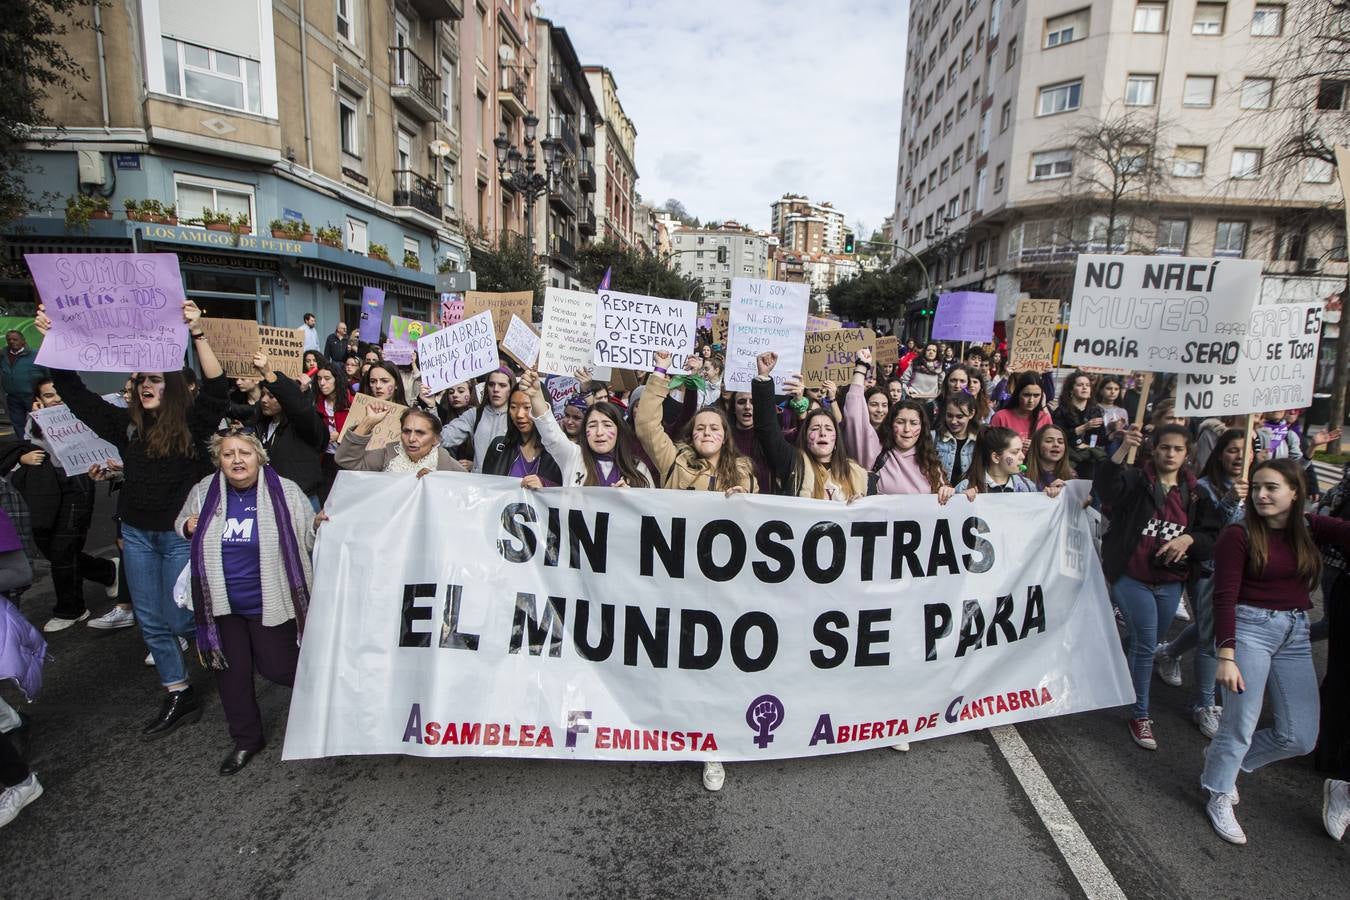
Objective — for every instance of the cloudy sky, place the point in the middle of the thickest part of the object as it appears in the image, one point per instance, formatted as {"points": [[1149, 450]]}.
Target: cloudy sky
{"points": [[739, 101]]}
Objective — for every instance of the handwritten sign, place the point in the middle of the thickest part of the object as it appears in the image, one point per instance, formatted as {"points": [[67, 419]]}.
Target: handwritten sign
{"points": [[452, 308], [887, 352], [111, 312], [822, 323], [559, 389], [964, 316], [720, 325], [521, 343], [567, 338], [765, 316], [404, 334], [830, 354], [502, 305], [1161, 313], [73, 443], [236, 340], [458, 352], [631, 328], [1033, 343], [387, 431], [1276, 368]]}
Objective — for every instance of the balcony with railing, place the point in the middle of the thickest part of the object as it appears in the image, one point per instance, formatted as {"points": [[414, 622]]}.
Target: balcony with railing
{"points": [[586, 221], [563, 251], [568, 133], [562, 91], [417, 192], [587, 131], [439, 9], [414, 85], [513, 89], [562, 195], [586, 173]]}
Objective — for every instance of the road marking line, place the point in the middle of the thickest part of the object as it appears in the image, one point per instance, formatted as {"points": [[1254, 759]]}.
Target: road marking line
{"points": [[1093, 876]]}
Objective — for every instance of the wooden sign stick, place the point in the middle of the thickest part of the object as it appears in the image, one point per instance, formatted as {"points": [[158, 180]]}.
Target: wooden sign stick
{"points": [[1145, 385]]}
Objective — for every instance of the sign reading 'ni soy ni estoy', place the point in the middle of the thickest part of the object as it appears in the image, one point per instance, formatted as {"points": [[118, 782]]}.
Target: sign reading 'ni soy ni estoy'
{"points": [[766, 316], [1161, 313]]}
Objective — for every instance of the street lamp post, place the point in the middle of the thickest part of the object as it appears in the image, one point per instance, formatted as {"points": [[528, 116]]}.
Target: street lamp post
{"points": [[518, 170]]}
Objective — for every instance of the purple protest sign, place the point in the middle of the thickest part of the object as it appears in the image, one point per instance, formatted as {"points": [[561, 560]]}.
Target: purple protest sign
{"points": [[111, 312], [372, 314], [964, 316]]}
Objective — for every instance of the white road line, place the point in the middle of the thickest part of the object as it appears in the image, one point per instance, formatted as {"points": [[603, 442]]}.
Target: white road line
{"points": [[1087, 866]]}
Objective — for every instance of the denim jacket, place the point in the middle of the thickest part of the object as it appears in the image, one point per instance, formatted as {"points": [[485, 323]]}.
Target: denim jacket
{"points": [[946, 451]]}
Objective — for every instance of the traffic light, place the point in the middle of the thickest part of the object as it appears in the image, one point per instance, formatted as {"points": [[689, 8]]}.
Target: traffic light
{"points": [[848, 242], [722, 254]]}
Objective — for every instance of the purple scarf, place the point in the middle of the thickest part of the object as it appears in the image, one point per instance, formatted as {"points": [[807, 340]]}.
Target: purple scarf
{"points": [[208, 636], [615, 473]]}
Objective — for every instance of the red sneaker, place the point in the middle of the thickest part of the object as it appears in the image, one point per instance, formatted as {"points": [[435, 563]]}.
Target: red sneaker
{"points": [[1142, 732]]}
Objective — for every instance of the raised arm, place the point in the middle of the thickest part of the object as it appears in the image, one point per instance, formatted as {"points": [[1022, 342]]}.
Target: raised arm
{"points": [[647, 420], [768, 431], [300, 412], [860, 437], [211, 367]]}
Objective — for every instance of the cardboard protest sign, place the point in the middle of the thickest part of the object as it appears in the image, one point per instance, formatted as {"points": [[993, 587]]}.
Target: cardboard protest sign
{"points": [[830, 354], [1276, 368], [1033, 343], [630, 329], [372, 314], [1160, 313], [458, 352], [236, 340], [567, 336], [389, 430], [964, 316], [452, 308], [720, 325], [765, 316], [521, 343], [111, 312], [887, 352], [74, 444], [822, 323], [404, 334], [502, 305], [558, 389]]}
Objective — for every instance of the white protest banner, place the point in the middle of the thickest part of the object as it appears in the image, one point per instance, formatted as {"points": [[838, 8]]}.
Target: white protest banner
{"points": [[458, 352], [765, 316], [73, 443], [586, 623], [567, 336], [521, 343], [1276, 368], [631, 328], [1160, 313]]}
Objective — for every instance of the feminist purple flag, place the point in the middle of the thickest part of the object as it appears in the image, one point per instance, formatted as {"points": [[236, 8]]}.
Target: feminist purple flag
{"points": [[372, 314]]}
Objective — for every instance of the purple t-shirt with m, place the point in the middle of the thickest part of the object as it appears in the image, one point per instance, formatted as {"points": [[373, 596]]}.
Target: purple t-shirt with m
{"points": [[239, 552]]}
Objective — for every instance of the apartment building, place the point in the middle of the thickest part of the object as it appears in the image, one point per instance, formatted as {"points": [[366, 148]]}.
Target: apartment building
{"points": [[616, 158], [345, 119], [716, 255], [807, 227], [997, 183]]}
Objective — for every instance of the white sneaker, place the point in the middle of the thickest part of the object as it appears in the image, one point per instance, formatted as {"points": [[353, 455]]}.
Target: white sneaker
{"points": [[117, 617], [112, 589], [1220, 812], [150, 657], [1167, 667], [13, 799], [714, 776], [903, 746], [1207, 717], [1182, 614], [54, 624], [1335, 807]]}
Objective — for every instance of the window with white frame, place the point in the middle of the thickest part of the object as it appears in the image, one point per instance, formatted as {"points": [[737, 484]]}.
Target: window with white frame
{"points": [[1208, 18], [1133, 159], [1066, 29], [998, 178], [211, 76], [357, 241], [1005, 117], [1141, 90], [1149, 18], [1051, 164], [1317, 171], [410, 245], [448, 185], [449, 92], [1058, 98], [1267, 20], [1172, 234], [195, 195], [349, 123], [1230, 239], [1246, 163], [1198, 90], [346, 20], [1257, 93], [1188, 162]]}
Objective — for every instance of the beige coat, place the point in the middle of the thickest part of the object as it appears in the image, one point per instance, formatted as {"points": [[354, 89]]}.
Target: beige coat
{"points": [[678, 467]]}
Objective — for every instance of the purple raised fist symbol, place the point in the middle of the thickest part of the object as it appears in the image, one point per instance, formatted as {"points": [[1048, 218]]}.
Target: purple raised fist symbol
{"points": [[763, 715]]}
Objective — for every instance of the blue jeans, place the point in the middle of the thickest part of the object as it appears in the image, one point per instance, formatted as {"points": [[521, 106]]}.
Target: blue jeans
{"points": [[1273, 651], [153, 560], [1199, 636], [1147, 608]]}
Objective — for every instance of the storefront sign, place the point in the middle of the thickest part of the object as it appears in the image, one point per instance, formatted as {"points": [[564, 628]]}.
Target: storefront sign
{"points": [[224, 240]]}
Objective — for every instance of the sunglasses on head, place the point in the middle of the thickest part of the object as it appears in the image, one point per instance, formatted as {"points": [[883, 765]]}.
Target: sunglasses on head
{"points": [[236, 430]]}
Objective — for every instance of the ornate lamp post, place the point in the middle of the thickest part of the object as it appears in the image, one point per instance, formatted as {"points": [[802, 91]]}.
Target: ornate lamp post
{"points": [[519, 171]]}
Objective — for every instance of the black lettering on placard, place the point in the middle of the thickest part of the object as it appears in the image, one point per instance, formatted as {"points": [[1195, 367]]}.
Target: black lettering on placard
{"points": [[769, 641], [655, 640], [937, 623], [972, 628], [1099, 274], [706, 538], [580, 627], [868, 636], [549, 624], [413, 613], [905, 548], [941, 554], [1035, 614], [552, 537], [827, 631], [818, 532], [581, 539], [451, 637], [514, 517], [766, 544], [970, 536], [1003, 610], [671, 552], [869, 532], [690, 621]]}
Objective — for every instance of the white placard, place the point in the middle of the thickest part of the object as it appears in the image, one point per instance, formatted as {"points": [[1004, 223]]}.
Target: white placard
{"points": [[1276, 369], [520, 342], [567, 333], [765, 316], [458, 352], [1160, 313], [74, 444], [630, 328]]}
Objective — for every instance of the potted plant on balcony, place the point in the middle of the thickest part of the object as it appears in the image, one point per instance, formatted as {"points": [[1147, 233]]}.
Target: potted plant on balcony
{"points": [[170, 215], [239, 224], [330, 236], [411, 260], [280, 228], [303, 232], [82, 207], [134, 212], [215, 221], [380, 251]]}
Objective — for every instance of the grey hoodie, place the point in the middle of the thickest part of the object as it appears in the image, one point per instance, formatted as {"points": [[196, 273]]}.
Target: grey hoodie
{"points": [[491, 423]]}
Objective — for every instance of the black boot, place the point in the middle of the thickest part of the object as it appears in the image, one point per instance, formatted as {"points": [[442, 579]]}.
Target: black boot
{"points": [[237, 759], [178, 707]]}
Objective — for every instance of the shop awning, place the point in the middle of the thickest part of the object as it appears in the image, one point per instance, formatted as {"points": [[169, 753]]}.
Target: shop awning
{"points": [[351, 278]]}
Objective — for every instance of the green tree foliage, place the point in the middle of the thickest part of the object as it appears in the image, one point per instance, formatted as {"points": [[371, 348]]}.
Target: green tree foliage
{"points": [[871, 296], [504, 264], [34, 64], [634, 272]]}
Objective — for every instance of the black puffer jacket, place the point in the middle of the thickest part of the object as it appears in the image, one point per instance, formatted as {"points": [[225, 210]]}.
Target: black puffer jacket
{"points": [[295, 448]]}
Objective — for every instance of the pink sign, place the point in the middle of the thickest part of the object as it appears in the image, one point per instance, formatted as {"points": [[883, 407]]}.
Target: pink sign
{"points": [[452, 308], [111, 312]]}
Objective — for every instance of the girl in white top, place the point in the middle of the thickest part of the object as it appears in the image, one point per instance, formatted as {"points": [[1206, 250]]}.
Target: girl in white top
{"points": [[601, 457]]}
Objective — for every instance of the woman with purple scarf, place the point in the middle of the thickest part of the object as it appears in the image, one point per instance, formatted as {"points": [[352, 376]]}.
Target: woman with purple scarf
{"points": [[252, 532], [603, 455]]}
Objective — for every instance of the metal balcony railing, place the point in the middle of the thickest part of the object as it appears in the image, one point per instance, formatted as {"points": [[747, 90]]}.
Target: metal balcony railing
{"points": [[563, 192], [417, 191], [420, 79]]}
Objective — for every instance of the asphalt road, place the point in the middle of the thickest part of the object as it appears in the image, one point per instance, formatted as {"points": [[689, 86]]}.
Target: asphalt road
{"points": [[952, 818]]}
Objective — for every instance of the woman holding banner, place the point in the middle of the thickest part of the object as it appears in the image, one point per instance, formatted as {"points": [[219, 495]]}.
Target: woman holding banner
{"points": [[1024, 412], [954, 439], [520, 453], [902, 459], [600, 456], [252, 532], [416, 450], [162, 437], [997, 467], [1048, 461], [487, 423], [1162, 525], [1264, 571]]}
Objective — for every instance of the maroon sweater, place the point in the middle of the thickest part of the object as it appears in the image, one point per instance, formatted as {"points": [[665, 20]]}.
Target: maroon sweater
{"points": [[1278, 587]]}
